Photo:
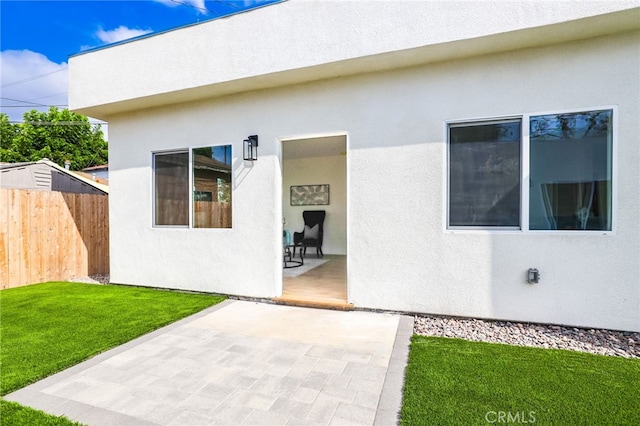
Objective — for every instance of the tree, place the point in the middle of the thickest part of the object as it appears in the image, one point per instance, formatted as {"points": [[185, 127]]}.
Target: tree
{"points": [[58, 135], [8, 133]]}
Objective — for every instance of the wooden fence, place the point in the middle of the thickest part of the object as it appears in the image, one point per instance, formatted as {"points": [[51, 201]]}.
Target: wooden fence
{"points": [[52, 236], [209, 214]]}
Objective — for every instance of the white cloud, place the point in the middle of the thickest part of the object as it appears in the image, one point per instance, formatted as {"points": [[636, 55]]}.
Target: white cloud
{"points": [[197, 4], [200, 6], [119, 34], [31, 76]]}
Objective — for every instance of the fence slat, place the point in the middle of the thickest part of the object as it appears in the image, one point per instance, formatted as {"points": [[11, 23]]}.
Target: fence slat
{"points": [[51, 236], [4, 239], [14, 244]]}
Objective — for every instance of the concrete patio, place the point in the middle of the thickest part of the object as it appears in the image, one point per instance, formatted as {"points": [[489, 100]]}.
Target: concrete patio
{"points": [[241, 363]]}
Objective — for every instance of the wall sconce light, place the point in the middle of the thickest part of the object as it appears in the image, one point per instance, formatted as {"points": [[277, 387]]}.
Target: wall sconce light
{"points": [[250, 149], [533, 276]]}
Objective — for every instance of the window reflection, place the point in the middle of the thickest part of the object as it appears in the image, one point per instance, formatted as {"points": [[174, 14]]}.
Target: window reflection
{"points": [[212, 187], [570, 171]]}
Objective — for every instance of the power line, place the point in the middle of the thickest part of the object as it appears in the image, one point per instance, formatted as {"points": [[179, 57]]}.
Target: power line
{"points": [[204, 9], [25, 102], [35, 77], [48, 96], [190, 5], [227, 3], [57, 123], [31, 106]]}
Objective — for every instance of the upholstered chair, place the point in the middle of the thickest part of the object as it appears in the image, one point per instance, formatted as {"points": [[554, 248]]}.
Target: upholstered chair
{"points": [[312, 234]]}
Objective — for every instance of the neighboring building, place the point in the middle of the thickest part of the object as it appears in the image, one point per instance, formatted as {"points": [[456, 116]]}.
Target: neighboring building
{"points": [[98, 172], [46, 175], [464, 144]]}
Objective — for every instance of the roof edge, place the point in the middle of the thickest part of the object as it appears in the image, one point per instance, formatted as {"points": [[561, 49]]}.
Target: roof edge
{"points": [[613, 23], [98, 186], [157, 33]]}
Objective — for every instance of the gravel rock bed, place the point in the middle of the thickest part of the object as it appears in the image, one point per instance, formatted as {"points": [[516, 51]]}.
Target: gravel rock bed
{"points": [[596, 341], [92, 279]]}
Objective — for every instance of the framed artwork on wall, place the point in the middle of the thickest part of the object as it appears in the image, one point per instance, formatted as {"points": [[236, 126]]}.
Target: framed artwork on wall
{"points": [[309, 195]]}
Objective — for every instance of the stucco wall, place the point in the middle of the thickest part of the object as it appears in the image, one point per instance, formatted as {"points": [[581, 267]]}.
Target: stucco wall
{"points": [[400, 255], [320, 170]]}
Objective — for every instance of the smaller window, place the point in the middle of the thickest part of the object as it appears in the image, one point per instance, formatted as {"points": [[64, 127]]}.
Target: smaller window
{"points": [[171, 189], [484, 174], [212, 187]]}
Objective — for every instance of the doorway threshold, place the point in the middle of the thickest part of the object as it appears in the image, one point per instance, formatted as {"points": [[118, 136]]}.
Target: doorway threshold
{"points": [[307, 302], [323, 287]]}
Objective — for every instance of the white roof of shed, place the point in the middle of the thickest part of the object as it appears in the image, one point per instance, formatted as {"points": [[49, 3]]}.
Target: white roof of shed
{"points": [[38, 180]]}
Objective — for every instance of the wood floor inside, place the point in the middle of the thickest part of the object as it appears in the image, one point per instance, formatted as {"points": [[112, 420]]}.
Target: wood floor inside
{"points": [[323, 287]]}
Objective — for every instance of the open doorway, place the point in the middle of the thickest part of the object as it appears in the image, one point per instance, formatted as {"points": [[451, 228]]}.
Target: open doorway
{"points": [[314, 177]]}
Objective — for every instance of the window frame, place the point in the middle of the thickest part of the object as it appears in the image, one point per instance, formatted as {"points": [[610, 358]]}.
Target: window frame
{"points": [[458, 124], [153, 188], [525, 175], [189, 151]]}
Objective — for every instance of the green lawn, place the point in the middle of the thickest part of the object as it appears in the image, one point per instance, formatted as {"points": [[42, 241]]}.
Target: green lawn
{"points": [[45, 328], [12, 414], [455, 382]]}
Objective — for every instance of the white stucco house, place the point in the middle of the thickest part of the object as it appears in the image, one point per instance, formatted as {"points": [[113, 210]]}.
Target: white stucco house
{"points": [[464, 143]]}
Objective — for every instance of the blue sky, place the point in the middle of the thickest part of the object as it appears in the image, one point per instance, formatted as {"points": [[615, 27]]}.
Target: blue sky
{"points": [[37, 37]]}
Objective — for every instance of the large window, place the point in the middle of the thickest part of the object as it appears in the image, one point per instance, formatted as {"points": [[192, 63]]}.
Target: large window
{"points": [[208, 172], [569, 185], [570, 158]]}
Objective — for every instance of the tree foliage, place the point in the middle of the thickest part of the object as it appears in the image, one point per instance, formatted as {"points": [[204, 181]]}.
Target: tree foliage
{"points": [[58, 135]]}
